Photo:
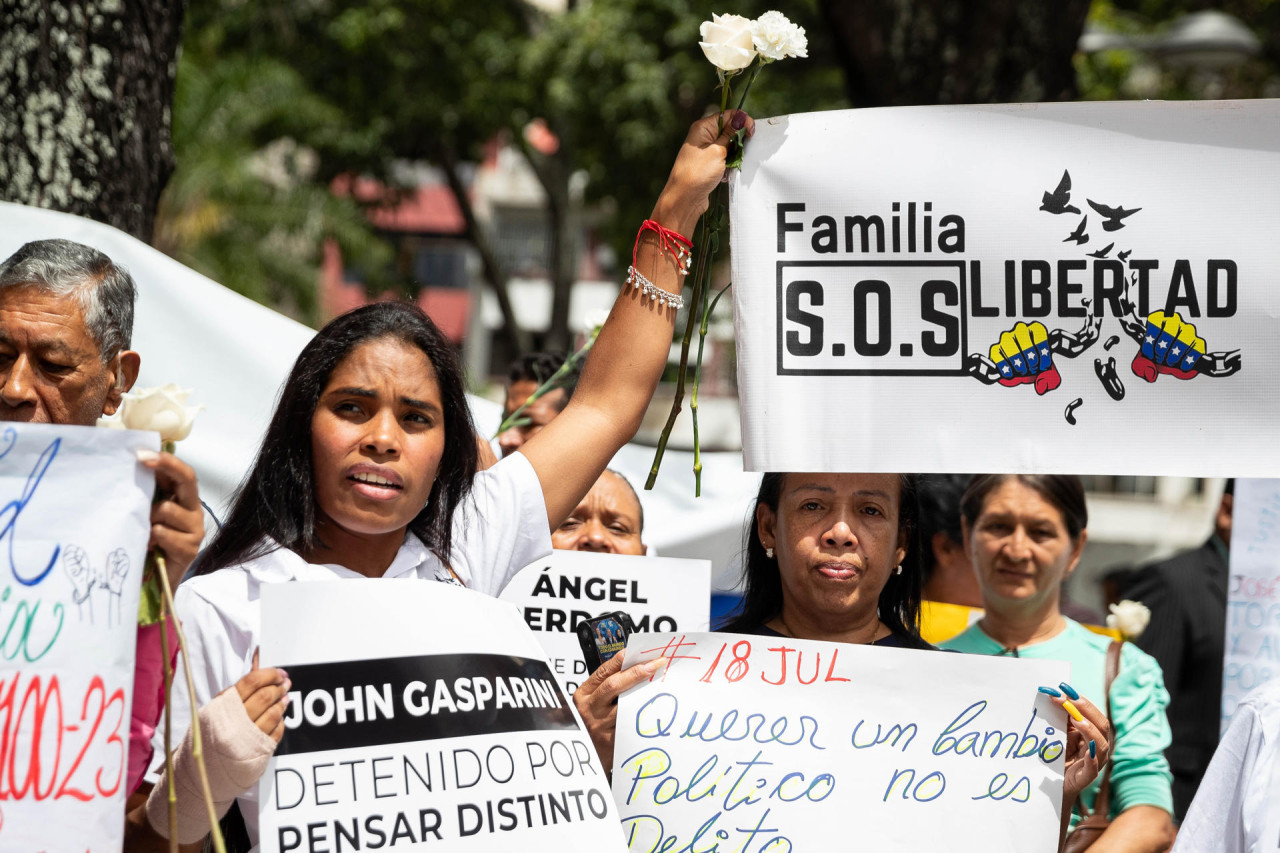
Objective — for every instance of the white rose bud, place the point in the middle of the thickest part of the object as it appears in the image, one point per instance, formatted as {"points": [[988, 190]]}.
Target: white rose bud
{"points": [[727, 42], [1130, 618], [161, 410], [775, 37]]}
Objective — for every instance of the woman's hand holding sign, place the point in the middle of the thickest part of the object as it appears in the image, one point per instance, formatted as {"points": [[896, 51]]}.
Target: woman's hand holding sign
{"points": [[597, 700]]}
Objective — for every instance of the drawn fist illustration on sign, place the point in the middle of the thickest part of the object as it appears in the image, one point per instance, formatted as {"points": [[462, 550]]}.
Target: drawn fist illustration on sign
{"points": [[1169, 345], [1024, 354]]}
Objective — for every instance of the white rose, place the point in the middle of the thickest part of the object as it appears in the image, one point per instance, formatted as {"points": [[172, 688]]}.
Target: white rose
{"points": [[727, 42], [1130, 618], [594, 321], [161, 410], [775, 37]]}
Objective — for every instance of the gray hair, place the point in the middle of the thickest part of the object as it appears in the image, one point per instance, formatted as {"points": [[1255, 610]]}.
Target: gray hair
{"points": [[105, 289]]}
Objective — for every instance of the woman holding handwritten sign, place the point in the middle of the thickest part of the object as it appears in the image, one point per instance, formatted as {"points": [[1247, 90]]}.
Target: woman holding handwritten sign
{"points": [[369, 469], [832, 557], [1025, 535]]}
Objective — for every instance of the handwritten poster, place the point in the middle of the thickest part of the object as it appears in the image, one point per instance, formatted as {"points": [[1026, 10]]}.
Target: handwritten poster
{"points": [[1252, 648], [556, 594], [74, 522], [422, 716], [766, 745], [1010, 288]]}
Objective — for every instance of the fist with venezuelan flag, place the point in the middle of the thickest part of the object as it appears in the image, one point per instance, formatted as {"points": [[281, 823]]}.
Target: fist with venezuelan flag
{"points": [[1023, 355], [1170, 346]]}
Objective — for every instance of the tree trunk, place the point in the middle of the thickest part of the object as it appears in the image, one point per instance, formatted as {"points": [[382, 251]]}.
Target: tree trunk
{"points": [[553, 173], [900, 52], [86, 90], [513, 336]]}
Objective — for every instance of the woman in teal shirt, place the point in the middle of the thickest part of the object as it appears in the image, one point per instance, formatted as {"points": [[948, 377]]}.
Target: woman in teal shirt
{"points": [[1025, 535]]}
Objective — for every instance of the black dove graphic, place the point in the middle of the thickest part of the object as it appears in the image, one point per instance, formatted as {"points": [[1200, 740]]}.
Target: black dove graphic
{"points": [[1058, 201], [1102, 253], [1078, 235], [1124, 256], [1113, 215]]}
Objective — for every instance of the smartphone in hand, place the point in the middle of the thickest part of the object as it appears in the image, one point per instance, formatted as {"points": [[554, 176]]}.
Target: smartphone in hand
{"points": [[603, 637]]}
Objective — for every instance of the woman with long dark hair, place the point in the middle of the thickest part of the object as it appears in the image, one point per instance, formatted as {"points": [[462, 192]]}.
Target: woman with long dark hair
{"points": [[831, 557], [369, 464], [1025, 534]]}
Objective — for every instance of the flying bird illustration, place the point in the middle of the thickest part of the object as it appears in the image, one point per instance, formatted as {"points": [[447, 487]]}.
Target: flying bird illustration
{"points": [[1124, 256], [1102, 253], [1059, 200], [1113, 216], [1078, 235]]}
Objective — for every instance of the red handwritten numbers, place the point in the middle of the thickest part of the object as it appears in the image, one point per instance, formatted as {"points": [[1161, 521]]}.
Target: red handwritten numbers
{"points": [[43, 750]]}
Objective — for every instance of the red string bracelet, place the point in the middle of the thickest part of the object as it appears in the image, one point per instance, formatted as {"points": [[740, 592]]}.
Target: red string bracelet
{"points": [[679, 247]]}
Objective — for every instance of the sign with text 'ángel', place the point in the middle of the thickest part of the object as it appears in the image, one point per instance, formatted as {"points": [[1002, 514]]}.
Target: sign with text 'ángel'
{"points": [[556, 594], [768, 745], [1044, 287], [75, 510], [422, 716]]}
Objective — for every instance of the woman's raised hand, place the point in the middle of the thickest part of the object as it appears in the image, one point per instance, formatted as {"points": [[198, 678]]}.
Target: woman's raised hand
{"points": [[699, 167]]}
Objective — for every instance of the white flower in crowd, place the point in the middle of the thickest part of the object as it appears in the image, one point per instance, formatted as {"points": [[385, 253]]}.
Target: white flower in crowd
{"points": [[1130, 618], [775, 37], [727, 42], [163, 410]]}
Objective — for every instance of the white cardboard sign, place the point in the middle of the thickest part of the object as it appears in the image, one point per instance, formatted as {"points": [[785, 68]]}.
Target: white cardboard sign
{"points": [[556, 594], [422, 716], [1252, 648], [1010, 288], [771, 744], [74, 521]]}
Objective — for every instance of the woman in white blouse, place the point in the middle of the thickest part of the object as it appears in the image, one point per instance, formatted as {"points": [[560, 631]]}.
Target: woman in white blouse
{"points": [[368, 467]]}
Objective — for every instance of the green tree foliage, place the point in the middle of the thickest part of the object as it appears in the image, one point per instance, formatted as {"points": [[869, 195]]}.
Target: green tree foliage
{"points": [[367, 84], [244, 206]]}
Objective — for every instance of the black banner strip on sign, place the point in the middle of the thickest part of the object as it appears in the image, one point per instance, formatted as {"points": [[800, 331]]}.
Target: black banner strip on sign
{"points": [[428, 697]]}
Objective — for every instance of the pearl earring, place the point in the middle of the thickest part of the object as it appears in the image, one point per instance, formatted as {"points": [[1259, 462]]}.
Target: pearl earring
{"points": [[768, 552], [898, 570]]}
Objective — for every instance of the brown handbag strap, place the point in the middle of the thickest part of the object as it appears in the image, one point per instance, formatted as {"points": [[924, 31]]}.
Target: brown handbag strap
{"points": [[1102, 802]]}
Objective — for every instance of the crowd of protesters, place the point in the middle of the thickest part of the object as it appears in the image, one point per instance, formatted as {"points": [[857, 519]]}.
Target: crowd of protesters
{"points": [[370, 468]]}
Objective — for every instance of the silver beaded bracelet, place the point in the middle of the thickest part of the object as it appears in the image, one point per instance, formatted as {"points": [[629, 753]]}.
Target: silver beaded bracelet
{"points": [[651, 290]]}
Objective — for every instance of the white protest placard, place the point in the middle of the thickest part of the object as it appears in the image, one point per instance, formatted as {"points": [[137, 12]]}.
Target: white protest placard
{"points": [[1252, 647], [422, 716], [75, 510], [556, 594], [1030, 287], [768, 744]]}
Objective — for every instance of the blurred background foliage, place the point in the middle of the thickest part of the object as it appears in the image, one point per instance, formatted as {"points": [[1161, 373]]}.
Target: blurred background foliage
{"points": [[277, 98]]}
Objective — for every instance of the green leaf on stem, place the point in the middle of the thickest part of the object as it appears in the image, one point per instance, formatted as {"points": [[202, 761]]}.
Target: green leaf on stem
{"points": [[149, 609]]}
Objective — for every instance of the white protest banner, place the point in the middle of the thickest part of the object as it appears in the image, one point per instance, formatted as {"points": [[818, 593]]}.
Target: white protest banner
{"points": [[75, 510], [1252, 648], [556, 594], [767, 744], [1035, 288], [422, 715]]}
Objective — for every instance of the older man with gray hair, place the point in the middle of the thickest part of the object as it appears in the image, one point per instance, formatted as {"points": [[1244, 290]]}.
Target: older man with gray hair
{"points": [[66, 320]]}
